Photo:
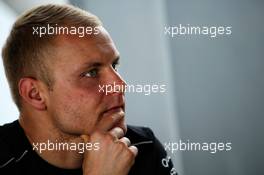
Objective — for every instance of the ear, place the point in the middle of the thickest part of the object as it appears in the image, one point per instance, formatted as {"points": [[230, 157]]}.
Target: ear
{"points": [[31, 92]]}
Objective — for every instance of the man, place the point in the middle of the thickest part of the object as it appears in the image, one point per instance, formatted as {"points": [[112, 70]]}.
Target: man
{"points": [[58, 60]]}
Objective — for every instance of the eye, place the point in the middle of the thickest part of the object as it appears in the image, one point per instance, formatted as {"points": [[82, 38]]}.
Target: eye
{"points": [[92, 73], [115, 66]]}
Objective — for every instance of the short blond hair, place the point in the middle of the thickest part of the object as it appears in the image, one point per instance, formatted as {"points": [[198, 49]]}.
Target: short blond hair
{"points": [[25, 54]]}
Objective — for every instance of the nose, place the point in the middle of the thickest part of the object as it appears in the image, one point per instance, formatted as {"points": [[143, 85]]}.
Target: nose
{"points": [[115, 84]]}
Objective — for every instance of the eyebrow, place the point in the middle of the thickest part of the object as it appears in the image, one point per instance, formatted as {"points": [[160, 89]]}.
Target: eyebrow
{"points": [[98, 64], [92, 64]]}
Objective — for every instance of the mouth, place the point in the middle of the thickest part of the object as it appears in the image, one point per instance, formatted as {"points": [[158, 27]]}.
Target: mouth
{"points": [[114, 109]]}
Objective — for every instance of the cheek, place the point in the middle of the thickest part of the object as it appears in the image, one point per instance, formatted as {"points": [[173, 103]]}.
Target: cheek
{"points": [[83, 95], [76, 111]]}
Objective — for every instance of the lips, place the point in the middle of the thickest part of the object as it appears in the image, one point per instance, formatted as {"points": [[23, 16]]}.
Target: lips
{"points": [[116, 112], [114, 109]]}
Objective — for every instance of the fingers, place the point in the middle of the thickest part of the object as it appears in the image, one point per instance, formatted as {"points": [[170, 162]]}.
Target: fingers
{"points": [[117, 132], [116, 156], [134, 150], [125, 140]]}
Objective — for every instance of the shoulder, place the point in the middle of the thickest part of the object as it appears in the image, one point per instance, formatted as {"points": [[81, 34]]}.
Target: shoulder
{"points": [[6, 147], [11, 145], [143, 137], [138, 134], [7, 128], [152, 157], [7, 134]]}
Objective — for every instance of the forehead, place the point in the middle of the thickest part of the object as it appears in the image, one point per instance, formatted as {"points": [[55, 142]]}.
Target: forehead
{"points": [[74, 49]]}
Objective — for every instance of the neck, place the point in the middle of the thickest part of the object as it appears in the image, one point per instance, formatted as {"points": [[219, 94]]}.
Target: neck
{"points": [[41, 132]]}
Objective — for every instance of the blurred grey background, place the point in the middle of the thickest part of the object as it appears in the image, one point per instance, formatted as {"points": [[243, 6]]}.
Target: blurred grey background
{"points": [[215, 87]]}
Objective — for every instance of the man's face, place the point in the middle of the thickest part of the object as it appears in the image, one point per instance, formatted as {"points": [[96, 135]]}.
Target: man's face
{"points": [[75, 104]]}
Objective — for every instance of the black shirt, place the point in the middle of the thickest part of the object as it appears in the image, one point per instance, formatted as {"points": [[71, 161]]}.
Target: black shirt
{"points": [[18, 157]]}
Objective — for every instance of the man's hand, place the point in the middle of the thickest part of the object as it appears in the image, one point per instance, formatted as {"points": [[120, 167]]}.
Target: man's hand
{"points": [[115, 156]]}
